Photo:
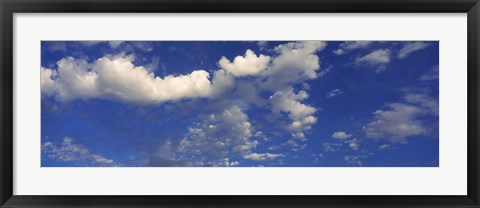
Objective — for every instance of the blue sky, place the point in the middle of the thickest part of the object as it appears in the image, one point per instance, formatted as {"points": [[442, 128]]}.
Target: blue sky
{"points": [[240, 103]]}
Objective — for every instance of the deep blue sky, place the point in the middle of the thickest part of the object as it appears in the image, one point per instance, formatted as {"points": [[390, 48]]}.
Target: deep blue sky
{"points": [[235, 103]]}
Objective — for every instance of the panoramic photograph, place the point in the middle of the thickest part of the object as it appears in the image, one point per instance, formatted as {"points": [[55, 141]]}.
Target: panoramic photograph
{"points": [[257, 104]]}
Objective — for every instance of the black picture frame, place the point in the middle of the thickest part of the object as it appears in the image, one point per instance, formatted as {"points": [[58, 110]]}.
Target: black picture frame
{"points": [[9, 7]]}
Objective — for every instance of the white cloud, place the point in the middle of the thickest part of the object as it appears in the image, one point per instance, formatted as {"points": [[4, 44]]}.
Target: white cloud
{"points": [[300, 114], [116, 77], [222, 82], [348, 46], [74, 81], [69, 151], [396, 124], [262, 156], [295, 63], [47, 84], [334, 93], [119, 78], [410, 47], [250, 64], [377, 59], [341, 135]]}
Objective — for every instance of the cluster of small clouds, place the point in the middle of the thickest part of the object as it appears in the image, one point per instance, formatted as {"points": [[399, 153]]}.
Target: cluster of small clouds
{"points": [[353, 147], [379, 58], [116, 77], [353, 160], [217, 138], [68, 151], [221, 136]]}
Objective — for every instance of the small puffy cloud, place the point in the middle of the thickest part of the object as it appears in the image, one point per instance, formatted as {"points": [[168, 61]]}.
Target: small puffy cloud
{"points": [[298, 135], [377, 59], [348, 46], [353, 144], [289, 102], [68, 151], [410, 47], [250, 64], [291, 143], [395, 124], [296, 62], [227, 163], [334, 93], [384, 146], [262, 156], [341, 135]]}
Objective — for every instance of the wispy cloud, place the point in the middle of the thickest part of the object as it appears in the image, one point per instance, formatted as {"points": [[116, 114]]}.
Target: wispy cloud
{"points": [[348, 46], [410, 47], [334, 93], [377, 59]]}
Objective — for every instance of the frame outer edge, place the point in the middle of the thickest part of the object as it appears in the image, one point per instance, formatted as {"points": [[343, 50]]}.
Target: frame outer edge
{"points": [[6, 94], [474, 100], [6, 104], [473, 147], [2, 159], [477, 67]]}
